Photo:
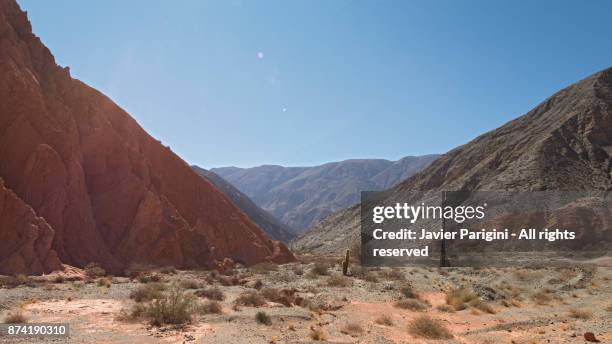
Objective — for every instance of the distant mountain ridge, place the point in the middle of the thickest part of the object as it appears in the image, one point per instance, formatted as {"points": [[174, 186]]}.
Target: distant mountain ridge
{"points": [[301, 196], [565, 143], [266, 221]]}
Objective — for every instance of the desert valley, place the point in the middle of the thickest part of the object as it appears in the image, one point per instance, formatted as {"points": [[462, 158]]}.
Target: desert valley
{"points": [[104, 228]]}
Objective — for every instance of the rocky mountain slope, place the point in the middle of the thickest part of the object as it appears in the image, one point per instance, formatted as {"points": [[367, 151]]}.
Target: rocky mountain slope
{"points": [[273, 227], [301, 196], [83, 182], [565, 143]]}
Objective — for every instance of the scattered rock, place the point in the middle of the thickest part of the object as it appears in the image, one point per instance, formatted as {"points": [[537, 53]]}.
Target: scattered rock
{"points": [[590, 337]]}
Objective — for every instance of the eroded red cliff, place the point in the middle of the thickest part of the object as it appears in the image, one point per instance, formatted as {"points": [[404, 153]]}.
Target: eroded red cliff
{"points": [[100, 188]]}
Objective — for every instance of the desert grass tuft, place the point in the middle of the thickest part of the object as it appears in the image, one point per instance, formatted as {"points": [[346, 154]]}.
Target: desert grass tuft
{"points": [[210, 307], [15, 317], [459, 298], [408, 292], [339, 281], [105, 282], [384, 319], [250, 299], [582, 314], [541, 298], [263, 268], [352, 329], [319, 269], [393, 274], [411, 304], [445, 308], [190, 284], [426, 327], [317, 334], [212, 293], [482, 306]]}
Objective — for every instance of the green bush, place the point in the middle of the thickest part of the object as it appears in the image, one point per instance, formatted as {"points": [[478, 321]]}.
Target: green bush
{"points": [[263, 318]]}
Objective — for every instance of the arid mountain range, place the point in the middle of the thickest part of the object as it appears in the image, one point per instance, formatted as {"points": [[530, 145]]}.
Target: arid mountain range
{"points": [[301, 196], [82, 182], [273, 227], [565, 143]]}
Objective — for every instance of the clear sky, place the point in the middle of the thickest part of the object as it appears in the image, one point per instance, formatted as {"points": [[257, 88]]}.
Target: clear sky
{"points": [[246, 83]]}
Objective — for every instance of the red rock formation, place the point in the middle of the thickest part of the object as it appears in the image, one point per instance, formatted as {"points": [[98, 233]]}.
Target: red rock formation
{"points": [[27, 247], [111, 193]]}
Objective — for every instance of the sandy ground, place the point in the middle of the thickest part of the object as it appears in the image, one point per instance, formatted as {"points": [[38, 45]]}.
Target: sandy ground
{"points": [[517, 315]]}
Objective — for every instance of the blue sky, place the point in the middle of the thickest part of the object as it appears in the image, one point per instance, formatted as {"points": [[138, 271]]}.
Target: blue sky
{"points": [[246, 83]]}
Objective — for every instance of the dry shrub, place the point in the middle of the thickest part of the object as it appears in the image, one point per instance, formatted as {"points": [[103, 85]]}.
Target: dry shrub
{"points": [[250, 299], [582, 314], [482, 306], [393, 274], [212, 293], [105, 282], [15, 281], [426, 327], [319, 269], [528, 275], [609, 308], [443, 272], [176, 307], [312, 305], [340, 281], [312, 289], [411, 304], [210, 307], [137, 311], [514, 291], [371, 276], [49, 287], [263, 318], [298, 270], [384, 319], [286, 297], [148, 292], [15, 317], [136, 269], [228, 272], [353, 329], [408, 292], [190, 284], [149, 278], [283, 277], [445, 308], [541, 298], [59, 279], [459, 298], [263, 268], [93, 270], [317, 334], [228, 280], [258, 284]]}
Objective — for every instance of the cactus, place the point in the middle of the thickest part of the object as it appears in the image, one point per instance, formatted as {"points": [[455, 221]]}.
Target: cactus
{"points": [[345, 263]]}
